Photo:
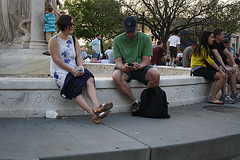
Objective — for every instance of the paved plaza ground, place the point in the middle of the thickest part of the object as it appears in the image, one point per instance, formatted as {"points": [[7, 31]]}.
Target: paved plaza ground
{"points": [[192, 132]]}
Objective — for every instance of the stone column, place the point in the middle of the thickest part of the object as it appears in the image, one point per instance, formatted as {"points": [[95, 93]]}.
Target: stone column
{"points": [[37, 34]]}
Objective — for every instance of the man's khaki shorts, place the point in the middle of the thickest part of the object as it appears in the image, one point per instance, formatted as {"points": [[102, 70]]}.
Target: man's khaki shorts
{"points": [[48, 35]]}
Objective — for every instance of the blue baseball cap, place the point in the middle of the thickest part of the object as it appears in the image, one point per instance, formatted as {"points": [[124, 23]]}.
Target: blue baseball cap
{"points": [[130, 24]]}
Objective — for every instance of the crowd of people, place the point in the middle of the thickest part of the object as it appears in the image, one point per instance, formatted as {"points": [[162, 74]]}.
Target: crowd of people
{"points": [[134, 58]]}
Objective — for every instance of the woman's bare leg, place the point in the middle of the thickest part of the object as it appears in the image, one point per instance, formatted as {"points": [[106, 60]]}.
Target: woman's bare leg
{"points": [[83, 104], [217, 86], [91, 92]]}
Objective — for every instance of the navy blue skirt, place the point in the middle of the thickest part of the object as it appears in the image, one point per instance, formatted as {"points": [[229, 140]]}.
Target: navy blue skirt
{"points": [[73, 86]]}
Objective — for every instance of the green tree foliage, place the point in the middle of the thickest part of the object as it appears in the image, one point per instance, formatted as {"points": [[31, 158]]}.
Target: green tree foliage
{"points": [[162, 17], [95, 16], [228, 18]]}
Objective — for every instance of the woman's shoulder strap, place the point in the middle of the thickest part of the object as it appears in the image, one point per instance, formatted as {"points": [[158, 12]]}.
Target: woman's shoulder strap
{"points": [[74, 42]]}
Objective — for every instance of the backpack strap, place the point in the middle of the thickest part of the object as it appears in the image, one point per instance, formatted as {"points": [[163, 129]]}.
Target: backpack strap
{"points": [[74, 43]]}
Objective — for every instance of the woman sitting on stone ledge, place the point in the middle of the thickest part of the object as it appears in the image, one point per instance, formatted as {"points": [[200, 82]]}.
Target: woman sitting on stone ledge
{"points": [[67, 71], [199, 60]]}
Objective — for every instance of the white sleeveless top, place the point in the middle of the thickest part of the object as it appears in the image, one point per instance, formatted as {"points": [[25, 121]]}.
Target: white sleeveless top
{"points": [[67, 54]]}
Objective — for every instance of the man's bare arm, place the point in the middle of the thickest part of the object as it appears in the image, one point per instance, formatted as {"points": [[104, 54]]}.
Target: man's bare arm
{"points": [[228, 54], [218, 57]]}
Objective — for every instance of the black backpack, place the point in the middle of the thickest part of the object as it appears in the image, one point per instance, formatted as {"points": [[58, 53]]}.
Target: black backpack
{"points": [[153, 103]]}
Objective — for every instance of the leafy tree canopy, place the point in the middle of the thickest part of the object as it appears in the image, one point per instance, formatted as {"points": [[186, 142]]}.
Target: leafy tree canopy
{"points": [[164, 16], [95, 16]]}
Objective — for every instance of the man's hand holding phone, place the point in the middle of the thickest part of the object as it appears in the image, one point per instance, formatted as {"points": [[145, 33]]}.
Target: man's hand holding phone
{"points": [[128, 67], [130, 64]]}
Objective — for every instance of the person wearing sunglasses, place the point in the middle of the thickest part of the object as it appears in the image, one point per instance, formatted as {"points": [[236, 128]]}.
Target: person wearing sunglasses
{"points": [[68, 73]]}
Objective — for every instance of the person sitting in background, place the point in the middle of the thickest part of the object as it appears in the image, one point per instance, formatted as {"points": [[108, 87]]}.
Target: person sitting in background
{"points": [[109, 54], [84, 53], [199, 60], [179, 61], [226, 43], [187, 53], [180, 54], [65, 60], [158, 54], [237, 59]]}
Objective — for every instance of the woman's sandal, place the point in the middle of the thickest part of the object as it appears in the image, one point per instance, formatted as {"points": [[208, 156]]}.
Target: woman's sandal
{"points": [[217, 102], [101, 116], [95, 120], [103, 107]]}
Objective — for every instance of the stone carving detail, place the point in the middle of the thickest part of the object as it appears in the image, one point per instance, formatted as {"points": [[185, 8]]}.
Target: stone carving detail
{"points": [[38, 97], [51, 99], [15, 19]]}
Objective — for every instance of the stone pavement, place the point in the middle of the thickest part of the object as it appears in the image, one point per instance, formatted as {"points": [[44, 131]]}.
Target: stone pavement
{"points": [[24, 63], [193, 132]]}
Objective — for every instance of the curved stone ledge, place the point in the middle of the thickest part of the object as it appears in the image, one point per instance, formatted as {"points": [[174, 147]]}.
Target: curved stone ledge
{"points": [[106, 69], [32, 97], [31, 63]]}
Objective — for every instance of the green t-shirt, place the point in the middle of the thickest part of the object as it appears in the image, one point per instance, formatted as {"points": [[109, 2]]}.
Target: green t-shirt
{"points": [[132, 50]]}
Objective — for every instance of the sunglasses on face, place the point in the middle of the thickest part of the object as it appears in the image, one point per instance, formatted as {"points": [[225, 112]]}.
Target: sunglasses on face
{"points": [[71, 24]]}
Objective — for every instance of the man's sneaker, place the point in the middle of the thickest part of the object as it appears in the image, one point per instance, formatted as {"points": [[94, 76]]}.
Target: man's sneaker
{"points": [[135, 108], [236, 97], [227, 99]]}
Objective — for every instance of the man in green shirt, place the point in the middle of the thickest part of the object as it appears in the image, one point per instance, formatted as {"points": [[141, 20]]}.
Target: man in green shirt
{"points": [[131, 51]]}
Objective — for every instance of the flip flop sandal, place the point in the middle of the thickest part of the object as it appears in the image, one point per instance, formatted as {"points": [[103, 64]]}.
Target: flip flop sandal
{"points": [[103, 107], [216, 102]]}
